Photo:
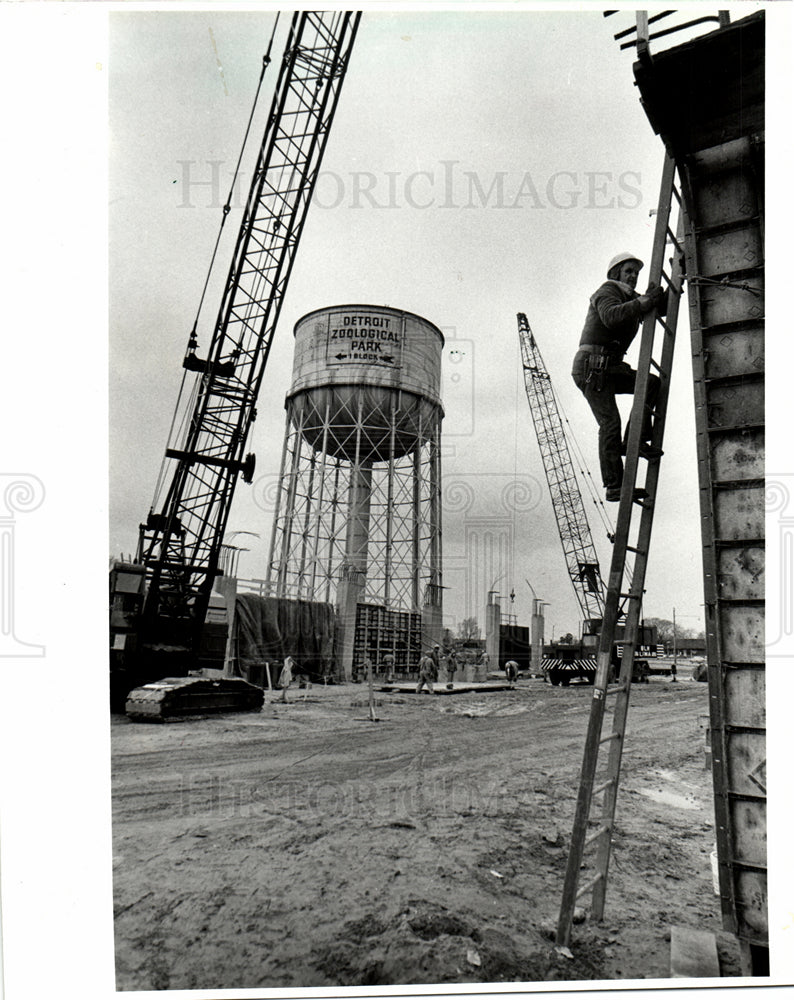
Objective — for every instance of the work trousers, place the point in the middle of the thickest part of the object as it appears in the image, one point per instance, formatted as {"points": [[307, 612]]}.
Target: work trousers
{"points": [[617, 379]]}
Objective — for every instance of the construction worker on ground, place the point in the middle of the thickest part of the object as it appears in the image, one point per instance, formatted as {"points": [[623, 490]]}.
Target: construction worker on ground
{"points": [[365, 669], [452, 666], [511, 671], [285, 678], [388, 667], [427, 673], [612, 321]]}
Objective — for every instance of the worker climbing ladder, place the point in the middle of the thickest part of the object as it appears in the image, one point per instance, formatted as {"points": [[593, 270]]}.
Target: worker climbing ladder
{"points": [[632, 539]]}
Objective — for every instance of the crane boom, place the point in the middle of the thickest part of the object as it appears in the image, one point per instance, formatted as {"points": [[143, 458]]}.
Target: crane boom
{"points": [[179, 545], [566, 499]]}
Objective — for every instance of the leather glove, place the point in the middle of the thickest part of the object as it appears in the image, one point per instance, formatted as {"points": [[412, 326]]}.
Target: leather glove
{"points": [[653, 298]]}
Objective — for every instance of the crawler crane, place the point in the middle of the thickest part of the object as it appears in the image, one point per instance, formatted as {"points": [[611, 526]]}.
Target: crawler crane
{"points": [[159, 602]]}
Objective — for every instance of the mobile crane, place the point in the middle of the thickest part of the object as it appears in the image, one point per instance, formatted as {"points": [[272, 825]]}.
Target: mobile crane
{"points": [[159, 601]]}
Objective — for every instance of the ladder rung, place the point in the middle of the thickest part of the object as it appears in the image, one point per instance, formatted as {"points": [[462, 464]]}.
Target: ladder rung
{"points": [[596, 834], [653, 363], [603, 786], [589, 885], [631, 548], [665, 325], [615, 688], [606, 739]]}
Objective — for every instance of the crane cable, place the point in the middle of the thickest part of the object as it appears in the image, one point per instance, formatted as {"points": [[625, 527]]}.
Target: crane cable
{"points": [[269, 238], [520, 382], [226, 210], [227, 206], [172, 439], [583, 467], [606, 520]]}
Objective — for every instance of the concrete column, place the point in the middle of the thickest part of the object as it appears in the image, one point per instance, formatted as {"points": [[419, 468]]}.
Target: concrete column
{"points": [[493, 623], [226, 586], [537, 636], [354, 569], [432, 623]]}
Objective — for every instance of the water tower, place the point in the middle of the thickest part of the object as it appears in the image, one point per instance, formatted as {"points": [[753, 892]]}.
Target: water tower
{"points": [[358, 510]]}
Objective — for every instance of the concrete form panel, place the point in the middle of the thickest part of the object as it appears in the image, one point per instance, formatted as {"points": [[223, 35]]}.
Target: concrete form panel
{"points": [[727, 195], [740, 352], [718, 160], [749, 831], [745, 699], [709, 91], [747, 773], [743, 635], [740, 573], [721, 304], [738, 456], [736, 405], [735, 250], [751, 900], [706, 99], [739, 513]]}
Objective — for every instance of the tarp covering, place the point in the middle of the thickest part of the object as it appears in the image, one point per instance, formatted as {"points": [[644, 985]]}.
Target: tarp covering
{"points": [[268, 629]]}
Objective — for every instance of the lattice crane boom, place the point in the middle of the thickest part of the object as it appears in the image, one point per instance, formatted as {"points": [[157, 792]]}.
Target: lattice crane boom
{"points": [[566, 498], [180, 544]]}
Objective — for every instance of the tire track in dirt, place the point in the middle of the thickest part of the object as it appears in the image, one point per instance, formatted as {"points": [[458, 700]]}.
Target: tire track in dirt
{"points": [[323, 822]]}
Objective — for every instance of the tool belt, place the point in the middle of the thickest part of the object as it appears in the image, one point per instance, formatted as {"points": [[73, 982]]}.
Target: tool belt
{"points": [[601, 357], [599, 349]]}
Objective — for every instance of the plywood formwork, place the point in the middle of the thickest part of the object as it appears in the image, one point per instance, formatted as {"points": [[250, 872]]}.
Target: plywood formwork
{"points": [[706, 100]]}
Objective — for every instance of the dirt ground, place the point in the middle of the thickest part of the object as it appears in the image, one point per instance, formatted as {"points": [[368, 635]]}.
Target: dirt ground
{"points": [[308, 846]]}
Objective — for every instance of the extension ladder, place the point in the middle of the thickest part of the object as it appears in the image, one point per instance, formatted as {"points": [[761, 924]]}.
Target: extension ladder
{"points": [[631, 539]]}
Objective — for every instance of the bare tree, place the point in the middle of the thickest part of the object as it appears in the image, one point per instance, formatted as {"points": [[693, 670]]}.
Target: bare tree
{"points": [[468, 629], [664, 630]]}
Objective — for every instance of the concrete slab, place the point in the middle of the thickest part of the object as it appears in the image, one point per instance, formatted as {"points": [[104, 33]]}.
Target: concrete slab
{"points": [[440, 687], [693, 954]]}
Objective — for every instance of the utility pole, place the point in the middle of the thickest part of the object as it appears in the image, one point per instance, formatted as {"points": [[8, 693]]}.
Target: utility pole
{"points": [[675, 651]]}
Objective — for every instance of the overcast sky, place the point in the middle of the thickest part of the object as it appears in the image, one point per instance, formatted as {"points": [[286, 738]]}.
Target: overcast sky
{"points": [[516, 94], [480, 164]]}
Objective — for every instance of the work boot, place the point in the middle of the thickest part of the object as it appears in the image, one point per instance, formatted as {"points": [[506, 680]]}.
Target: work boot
{"points": [[613, 494], [650, 452]]}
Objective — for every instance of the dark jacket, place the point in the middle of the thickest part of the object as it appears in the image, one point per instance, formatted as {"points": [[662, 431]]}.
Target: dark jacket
{"points": [[427, 668], [613, 318]]}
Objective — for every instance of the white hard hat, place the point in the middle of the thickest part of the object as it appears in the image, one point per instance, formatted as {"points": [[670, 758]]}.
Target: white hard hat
{"points": [[621, 258]]}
